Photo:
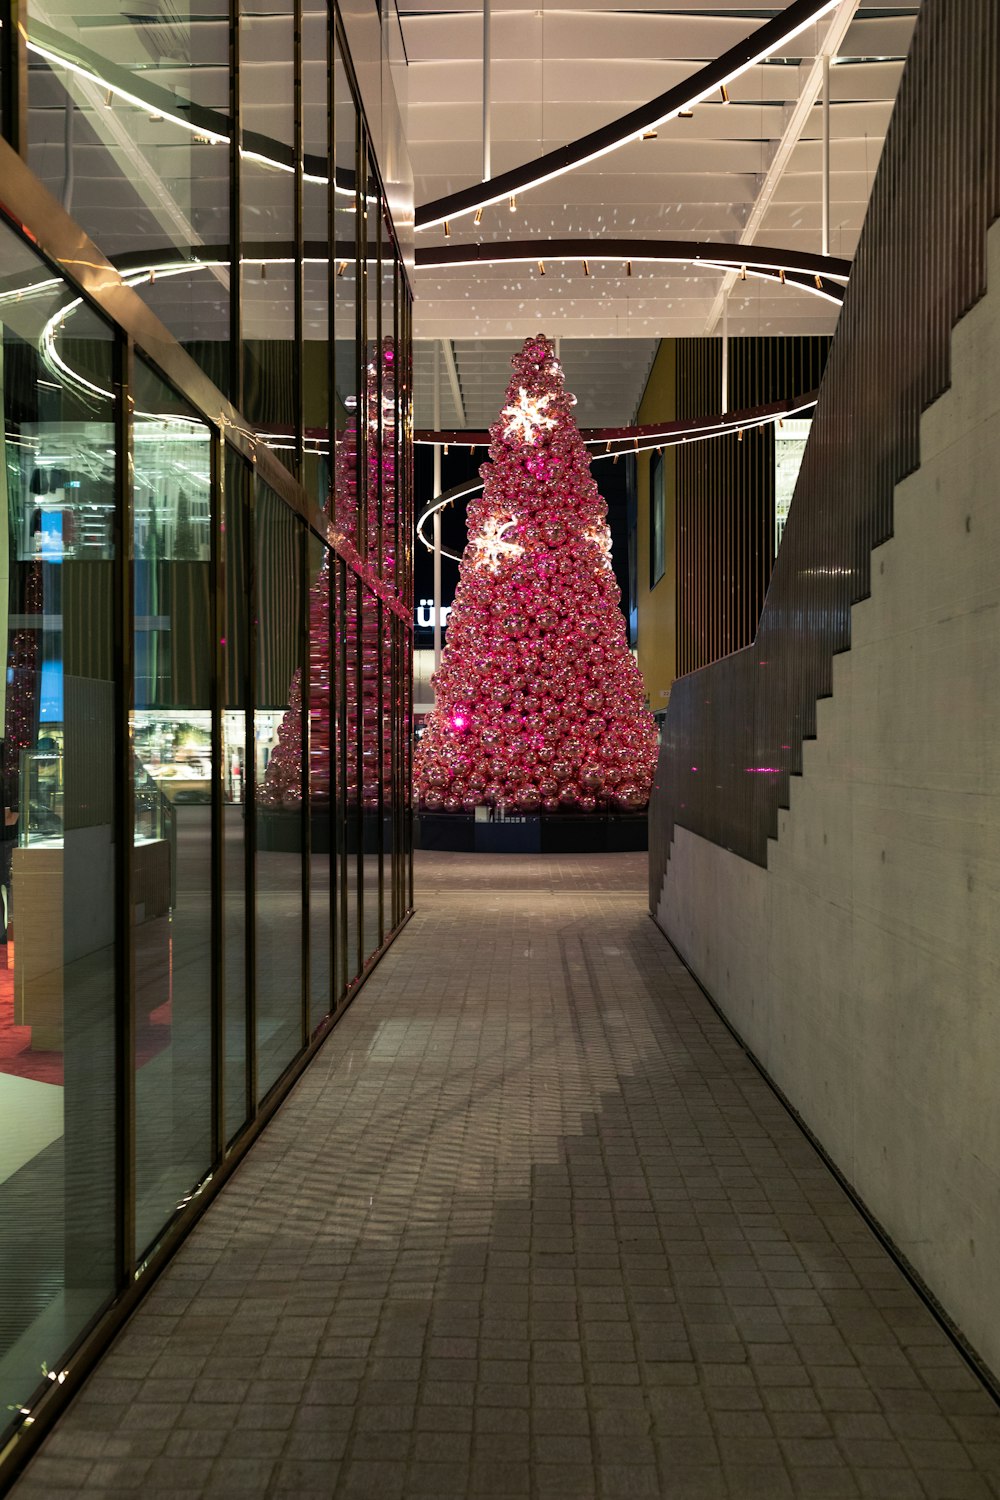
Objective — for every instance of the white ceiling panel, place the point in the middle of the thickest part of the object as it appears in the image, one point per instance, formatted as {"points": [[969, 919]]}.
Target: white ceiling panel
{"points": [[565, 67]]}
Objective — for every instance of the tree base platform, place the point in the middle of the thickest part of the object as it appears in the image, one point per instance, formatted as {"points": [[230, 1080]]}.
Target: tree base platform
{"points": [[535, 833]]}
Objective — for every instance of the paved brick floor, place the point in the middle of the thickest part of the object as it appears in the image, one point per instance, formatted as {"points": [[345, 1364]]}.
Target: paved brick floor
{"points": [[531, 1225]]}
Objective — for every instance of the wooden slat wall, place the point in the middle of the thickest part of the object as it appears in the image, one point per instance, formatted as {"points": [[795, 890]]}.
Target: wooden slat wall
{"points": [[920, 265], [725, 490]]}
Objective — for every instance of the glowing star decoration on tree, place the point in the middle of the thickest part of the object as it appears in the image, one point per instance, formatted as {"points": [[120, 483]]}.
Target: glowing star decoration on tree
{"points": [[539, 704], [492, 545], [526, 419]]}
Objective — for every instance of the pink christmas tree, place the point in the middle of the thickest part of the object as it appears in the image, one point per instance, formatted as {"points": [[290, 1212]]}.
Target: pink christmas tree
{"points": [[538, 702]]}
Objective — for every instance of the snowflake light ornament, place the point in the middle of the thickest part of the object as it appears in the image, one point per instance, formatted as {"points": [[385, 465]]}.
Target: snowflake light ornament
{"points": [[491, 546], [601, 537], [526, 416]]}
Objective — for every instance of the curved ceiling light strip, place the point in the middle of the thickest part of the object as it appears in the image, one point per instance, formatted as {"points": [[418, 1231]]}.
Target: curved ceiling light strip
{"points": [[820, 275], [715, 77], [653, 434], [207, 125], [626, 440]]}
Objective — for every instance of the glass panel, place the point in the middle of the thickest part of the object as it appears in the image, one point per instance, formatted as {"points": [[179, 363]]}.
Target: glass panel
{"points": [[390, 792], [57, 851], [279, 779], [657, 522], [235, 768], [390, 425], [150, 183], [171, 724], [316, 39], [350, 626], [321, 996], [339, 728], [345, 284], [267, 93], [371, 766], [371, 445]]}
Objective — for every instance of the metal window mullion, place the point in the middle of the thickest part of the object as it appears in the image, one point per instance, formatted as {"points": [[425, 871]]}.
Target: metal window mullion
{"points": [[124, 815], [361, 496], [217, 878], [305, 740], [358, 646], [380, 751], [235, 211], [361, 335], [331, 560], [249, 501], [342, 751], [298, 137]]}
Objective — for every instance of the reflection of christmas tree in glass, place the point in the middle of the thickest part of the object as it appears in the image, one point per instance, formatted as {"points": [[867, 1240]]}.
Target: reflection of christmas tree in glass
{"points": [[538, 702], [282, 783], [185, 546]]}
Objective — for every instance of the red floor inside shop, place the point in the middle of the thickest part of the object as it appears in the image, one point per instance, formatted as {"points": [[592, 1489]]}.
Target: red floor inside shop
{"points": [[16, 1055]]}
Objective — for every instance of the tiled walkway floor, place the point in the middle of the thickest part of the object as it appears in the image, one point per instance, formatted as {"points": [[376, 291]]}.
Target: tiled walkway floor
{"points": [[531, 1225]]}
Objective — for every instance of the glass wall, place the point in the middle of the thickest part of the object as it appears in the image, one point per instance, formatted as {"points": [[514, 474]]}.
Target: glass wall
{"points": [[204, 761], [60, 861]]}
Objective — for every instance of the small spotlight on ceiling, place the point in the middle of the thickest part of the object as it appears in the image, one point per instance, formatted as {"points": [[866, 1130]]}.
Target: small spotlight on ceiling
{"points": [[512, 205], [541, 268], [725, 94], [479, 216], [447, 230], [586, 268], [648, 135]]}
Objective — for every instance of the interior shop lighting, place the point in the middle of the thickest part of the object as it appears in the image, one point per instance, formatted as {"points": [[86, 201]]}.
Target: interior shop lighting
{"points": [[773, 37]]}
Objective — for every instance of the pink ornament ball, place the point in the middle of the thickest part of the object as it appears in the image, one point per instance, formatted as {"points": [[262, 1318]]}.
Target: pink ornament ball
{"points": [[528, 798], [569, 795], [433, 801]]}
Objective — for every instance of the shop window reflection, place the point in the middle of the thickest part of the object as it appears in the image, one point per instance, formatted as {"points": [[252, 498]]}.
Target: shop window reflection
{"points": [[279, 778], [234, 773], [57, 853], [172, 760]]}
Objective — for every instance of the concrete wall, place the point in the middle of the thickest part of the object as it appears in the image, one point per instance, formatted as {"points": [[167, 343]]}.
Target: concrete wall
{"points": [[657, 606], [863, 965]]}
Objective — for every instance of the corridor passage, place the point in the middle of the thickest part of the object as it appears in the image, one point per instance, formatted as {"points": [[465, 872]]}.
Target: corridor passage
{"points": [[531, 1225]]}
